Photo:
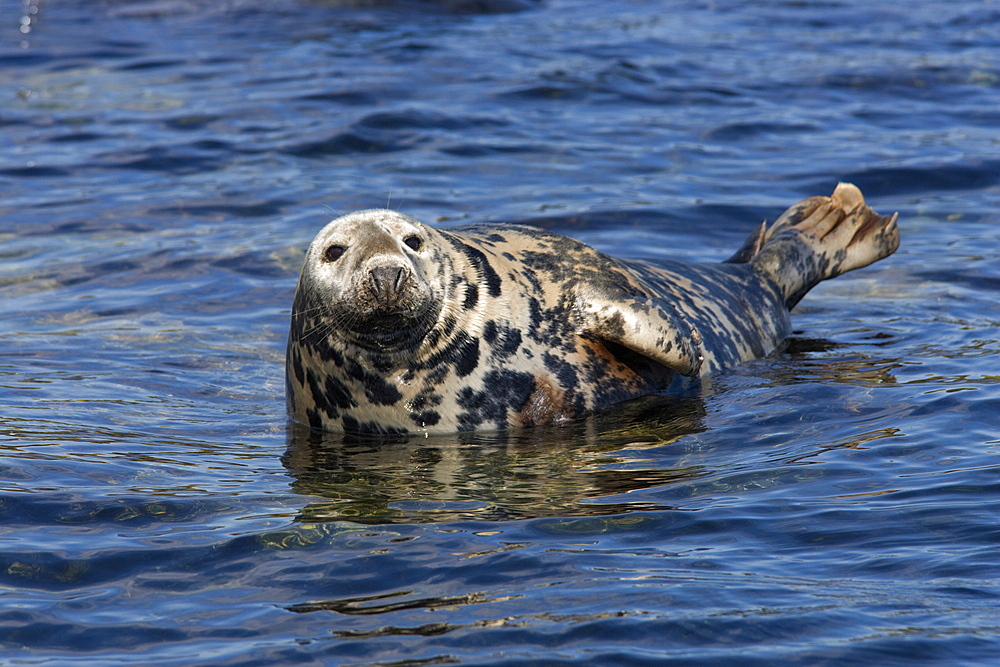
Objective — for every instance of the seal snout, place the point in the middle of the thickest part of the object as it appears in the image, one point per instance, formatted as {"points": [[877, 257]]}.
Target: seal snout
{"points": [[388, 283]]}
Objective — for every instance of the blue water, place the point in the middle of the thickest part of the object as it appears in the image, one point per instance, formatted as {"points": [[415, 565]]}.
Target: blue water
{"points": [[163, 166]]}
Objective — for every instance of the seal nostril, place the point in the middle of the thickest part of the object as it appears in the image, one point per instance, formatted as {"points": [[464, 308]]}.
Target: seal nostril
{"points": [[388, 280]]}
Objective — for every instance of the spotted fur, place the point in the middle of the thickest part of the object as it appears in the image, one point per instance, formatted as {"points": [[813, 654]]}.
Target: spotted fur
{"points": [[398, 327]]}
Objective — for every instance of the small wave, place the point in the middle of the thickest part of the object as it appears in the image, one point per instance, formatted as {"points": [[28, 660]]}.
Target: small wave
{"points": [[971, 175]]}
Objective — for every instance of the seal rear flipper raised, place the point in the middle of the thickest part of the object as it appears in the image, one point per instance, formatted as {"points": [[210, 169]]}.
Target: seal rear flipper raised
{"points": [[823, 237]]}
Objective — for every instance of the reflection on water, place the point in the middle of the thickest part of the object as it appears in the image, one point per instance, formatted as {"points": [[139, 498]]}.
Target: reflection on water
{"points": [[818, 360], [563, 470], [527, 473]]}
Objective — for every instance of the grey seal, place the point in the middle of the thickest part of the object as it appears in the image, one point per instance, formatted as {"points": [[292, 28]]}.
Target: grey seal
{"points": [[398, 327]]}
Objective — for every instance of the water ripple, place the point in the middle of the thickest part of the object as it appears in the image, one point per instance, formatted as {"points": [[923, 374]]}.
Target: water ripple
{"points": [[165, 165]]}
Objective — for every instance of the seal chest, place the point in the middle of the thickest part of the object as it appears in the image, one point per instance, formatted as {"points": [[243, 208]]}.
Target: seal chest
{"points": [[398, 327]]}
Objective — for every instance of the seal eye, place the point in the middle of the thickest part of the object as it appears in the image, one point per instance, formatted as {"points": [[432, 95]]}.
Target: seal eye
{"points": [[414, 243], [333, 253]]}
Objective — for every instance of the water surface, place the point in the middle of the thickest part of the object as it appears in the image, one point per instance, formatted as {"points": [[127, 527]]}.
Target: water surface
{"points": [[163, 166]]}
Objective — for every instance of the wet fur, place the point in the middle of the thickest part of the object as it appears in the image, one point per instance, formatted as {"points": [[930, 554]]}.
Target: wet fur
{"points": [[491, 326]]}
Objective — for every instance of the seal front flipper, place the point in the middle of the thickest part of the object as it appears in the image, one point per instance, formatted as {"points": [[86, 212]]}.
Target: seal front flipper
{"points": [[649, 327]]}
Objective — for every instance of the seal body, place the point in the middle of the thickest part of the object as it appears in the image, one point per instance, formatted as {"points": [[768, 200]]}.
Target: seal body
{"points": [[398, 327]]}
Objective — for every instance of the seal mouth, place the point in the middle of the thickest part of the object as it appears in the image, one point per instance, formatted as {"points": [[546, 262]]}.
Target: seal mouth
{"points": [[392, 331]]}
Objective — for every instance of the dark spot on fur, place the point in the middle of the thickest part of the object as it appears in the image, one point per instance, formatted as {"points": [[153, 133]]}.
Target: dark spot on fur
{"points": [[295, 359], [503, 339], [436, 375], [552, 327], [382, 363], [469, 421], [480, 262], [352, 425], [425, 399], [425, 418], [377, 390], [471, 297], [557, 269], [321, 347], [462, 352], [532, 278], [419, 402], [535, 317], [324, 401], [432, 338], [490, 331], [614, 326], [449, 326], [562, 369], [337, 393], [504, 391], [467, 357]]}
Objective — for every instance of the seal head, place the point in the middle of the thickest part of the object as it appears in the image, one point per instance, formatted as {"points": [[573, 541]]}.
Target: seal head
{"points": [[369, 281]]}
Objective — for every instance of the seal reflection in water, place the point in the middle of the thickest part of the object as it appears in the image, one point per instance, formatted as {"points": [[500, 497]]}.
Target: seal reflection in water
{"points": [[398, 327]]}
